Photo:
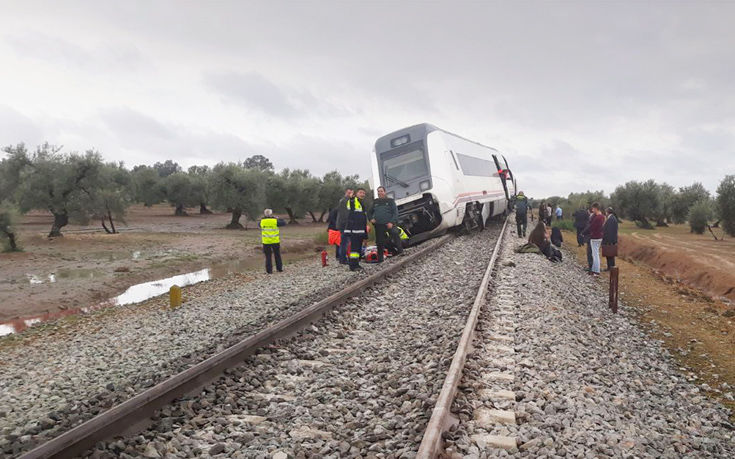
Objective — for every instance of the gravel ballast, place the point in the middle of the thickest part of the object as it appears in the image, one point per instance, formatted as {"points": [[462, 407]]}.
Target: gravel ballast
{"points": [[587, 382], [361, 382], [55, 377]]}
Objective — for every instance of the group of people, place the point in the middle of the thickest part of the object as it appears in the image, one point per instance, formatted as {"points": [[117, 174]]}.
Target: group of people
{"points": [[599, 232], [348, 230], [348, 227]]}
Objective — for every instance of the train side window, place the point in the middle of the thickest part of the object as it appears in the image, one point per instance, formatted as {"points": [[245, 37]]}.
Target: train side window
{"points": [[454, 159]]}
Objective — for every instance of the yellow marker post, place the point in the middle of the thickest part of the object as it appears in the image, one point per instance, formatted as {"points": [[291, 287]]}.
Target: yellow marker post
{"points": [[175, 296]]}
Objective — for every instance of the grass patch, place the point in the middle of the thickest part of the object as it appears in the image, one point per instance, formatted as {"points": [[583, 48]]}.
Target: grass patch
{"points": [[564, 225]]}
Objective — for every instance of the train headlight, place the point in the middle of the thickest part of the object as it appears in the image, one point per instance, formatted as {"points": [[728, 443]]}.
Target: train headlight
{"points": [[391, 195], [425, 185]]}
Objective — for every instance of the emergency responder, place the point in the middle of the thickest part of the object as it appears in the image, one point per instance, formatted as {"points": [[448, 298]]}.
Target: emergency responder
{"points": [[397, 240], [521, 213], [383, 215], [342, 212], [356, 227], [270, 236]]}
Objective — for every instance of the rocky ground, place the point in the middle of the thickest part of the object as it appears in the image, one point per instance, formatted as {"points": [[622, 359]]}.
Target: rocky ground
{"points": [[361, 382], [584, 381], [61, 374]]}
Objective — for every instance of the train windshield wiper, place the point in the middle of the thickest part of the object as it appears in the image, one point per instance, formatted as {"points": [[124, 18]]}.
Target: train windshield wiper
{"points": [[395, 180]]}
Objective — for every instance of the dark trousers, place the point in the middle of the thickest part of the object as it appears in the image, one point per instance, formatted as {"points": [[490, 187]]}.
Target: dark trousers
{"points": [[521, 223], [380, 239], [580, 238], [343, 243], [355, 247], [610, 262], [336, 252], [275, 250], [589, 254]]}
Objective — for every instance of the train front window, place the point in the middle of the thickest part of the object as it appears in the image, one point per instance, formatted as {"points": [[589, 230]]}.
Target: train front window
{"points": [[405, 166]]}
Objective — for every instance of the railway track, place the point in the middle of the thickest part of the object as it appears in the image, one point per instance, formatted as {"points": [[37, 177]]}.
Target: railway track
{"points": [[374, 371]]}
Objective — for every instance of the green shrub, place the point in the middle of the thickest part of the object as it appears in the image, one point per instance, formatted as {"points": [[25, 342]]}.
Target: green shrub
{"points": [[699, 215], [564, 225]]}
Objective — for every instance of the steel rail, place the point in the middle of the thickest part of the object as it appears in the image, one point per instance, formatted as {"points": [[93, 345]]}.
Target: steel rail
{"points": [[130, 412], [441, 417]]}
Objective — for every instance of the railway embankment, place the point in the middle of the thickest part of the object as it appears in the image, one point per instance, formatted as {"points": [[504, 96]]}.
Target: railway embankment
{"points": [[62, 373], [584, 382]]}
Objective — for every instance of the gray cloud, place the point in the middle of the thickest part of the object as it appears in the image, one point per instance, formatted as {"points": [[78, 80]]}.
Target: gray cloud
{"points": [[579, 95]]}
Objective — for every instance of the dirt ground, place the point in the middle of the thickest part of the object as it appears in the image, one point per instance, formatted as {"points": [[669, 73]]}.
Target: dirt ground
{"points": [[88, 266], [696, 328]]}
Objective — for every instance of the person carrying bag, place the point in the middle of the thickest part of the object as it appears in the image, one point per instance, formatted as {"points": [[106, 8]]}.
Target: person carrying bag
{"points": [[610, 238]]}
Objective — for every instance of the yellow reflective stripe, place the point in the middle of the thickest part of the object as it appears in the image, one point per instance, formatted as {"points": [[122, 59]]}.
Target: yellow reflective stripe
{"points": [[354, 255]]}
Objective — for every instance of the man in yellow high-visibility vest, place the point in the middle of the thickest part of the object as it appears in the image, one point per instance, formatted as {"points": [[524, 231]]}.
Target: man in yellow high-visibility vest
{"points": [[271, 238]]}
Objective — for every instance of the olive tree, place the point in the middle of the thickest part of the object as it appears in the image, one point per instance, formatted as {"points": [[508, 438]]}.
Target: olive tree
{"points": [[62, 184], [240, 190], [10, 168], [637, 201], [685, 199], [332, 190], [179, 192], [112, 196], [258, 162], [147, 185], [726, 204], [699, 214], [8, 217], [200, 177]]}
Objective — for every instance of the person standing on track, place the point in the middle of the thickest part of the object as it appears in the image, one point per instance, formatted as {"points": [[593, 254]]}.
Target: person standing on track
{"points": [[271, 238], [342, 212], [356, 227], [384, 216], [521, 213]]}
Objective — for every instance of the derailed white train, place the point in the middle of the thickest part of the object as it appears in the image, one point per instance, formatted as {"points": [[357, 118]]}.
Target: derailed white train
{"points": [[441, 180]]}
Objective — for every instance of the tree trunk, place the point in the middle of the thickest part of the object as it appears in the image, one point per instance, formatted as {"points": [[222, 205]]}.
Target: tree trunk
{"points": [[645, 223], [291, 217], [105, 226], [203, 209], [661, 223], [321, 217], [112, 224], [180, 212], [313, 217], [14, 246], [60, 220], [235, 222]]}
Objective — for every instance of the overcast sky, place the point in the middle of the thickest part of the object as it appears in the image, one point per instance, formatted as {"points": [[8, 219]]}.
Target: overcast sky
{"points": [[578, 95]]}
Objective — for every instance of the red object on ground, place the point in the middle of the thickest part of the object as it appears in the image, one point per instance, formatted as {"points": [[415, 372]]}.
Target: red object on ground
{"points": [[324, 258]]}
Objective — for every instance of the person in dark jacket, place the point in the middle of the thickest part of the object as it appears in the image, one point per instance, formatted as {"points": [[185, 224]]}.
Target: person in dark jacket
{"points": [[334, 235], [356, 227], [595, 231], [581, 218], [342, 212], [556, 237], [521, 214], [384, 216], [610, 234]]}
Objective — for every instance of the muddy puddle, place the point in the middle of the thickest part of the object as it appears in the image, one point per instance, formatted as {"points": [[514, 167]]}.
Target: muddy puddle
{"points": [[134, 294]]}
